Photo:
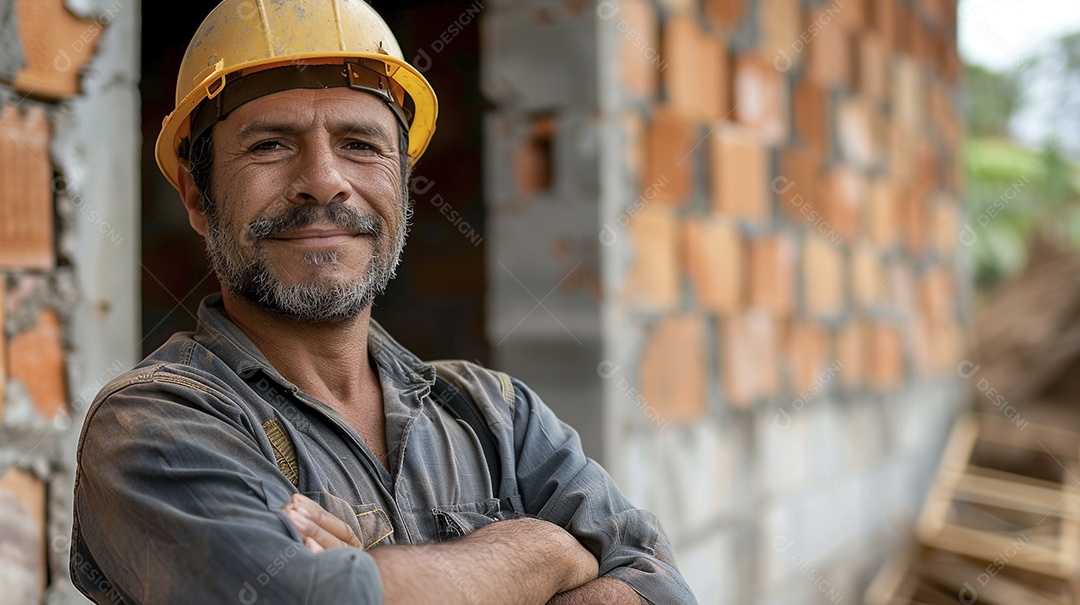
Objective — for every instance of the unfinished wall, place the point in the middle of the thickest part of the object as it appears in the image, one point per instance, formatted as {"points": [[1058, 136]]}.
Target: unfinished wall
{"points": [[723, 245], [68, 258]]}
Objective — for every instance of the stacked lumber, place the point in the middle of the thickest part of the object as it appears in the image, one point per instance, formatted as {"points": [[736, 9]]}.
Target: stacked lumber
{"points": [[1000, 525], [1027, 334]]}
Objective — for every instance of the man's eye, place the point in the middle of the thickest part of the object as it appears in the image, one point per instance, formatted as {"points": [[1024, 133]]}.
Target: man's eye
{"points": [[266, 146], [359, 146]]}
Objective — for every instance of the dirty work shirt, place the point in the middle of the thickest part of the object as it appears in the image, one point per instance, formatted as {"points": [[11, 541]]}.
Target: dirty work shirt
{"points": [[178, 491]]}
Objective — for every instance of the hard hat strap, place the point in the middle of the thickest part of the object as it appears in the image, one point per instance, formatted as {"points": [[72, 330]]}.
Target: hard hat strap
{"points": [[357, 75]]}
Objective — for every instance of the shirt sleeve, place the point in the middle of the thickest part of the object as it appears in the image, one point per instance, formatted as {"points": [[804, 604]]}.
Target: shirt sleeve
{"points": [[560, 484], [176, 503]]}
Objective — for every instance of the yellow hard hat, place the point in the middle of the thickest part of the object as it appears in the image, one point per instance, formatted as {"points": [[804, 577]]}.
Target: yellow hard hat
{"points": [[245, 49]]}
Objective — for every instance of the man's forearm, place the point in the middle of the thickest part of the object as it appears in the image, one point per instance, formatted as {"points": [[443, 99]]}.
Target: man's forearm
{"points": [[601, 591], [527, 559]]}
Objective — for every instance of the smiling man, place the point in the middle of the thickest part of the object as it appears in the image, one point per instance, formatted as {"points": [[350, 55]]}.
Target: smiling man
{"points": [[289, 450]]}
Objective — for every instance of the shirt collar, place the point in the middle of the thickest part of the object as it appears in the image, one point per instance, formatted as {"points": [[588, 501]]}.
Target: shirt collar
{"points": [[225, 339]]}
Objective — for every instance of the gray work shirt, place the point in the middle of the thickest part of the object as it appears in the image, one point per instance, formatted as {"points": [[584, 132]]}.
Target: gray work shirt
{"points": [[178, 491]]}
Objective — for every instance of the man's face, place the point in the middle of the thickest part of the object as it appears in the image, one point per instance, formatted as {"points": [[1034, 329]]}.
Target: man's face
{"points": [[309, 210]]}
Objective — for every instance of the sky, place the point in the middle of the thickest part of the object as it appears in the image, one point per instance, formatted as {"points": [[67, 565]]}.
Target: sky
{"points": [[1001, 34], [998, 33]]}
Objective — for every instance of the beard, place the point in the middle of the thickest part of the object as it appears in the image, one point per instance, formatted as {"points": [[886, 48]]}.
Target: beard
{"points": [[247, 273]]}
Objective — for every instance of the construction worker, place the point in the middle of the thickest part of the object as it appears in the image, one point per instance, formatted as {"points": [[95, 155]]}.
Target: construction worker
{"points": [[289, 450]]}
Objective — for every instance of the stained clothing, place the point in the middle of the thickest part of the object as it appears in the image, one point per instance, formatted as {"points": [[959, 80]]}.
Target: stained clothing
{"points": [[178, 492]]}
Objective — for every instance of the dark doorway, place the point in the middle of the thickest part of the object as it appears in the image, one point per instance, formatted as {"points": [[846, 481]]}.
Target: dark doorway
{"points": [[435, 306]]}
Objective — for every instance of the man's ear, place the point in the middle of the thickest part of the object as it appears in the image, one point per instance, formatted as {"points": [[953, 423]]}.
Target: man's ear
{"points": [[192, 196]]}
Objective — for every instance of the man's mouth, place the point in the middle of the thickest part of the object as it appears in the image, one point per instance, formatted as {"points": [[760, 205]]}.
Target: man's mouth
{"points": [[316, 237]]}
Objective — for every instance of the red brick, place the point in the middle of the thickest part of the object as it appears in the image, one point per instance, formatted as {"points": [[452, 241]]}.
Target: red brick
{"points": [[937, 295], [851, 14], [36, 358], [842, 201], [669, 163], [829, 52], [811, 115], [693, 70], [851, 353], [534, 162], [884, 19], [808, 355], [883, 213], [654, 279], [750, 356], [3, 342], [868, 277], [798, 184], [823, 277], [727, 14], [741, 171], [855, 132], [908, 93], [780, 24], [772, 274], [949, 348], [946, 226], [638, 44], [885, 355], [22, 530], [26, 199], [913, 219], [902, 152], [714, 258], [636, 149], [673, 368], [873, 66], [761, 97], [56, 44]]}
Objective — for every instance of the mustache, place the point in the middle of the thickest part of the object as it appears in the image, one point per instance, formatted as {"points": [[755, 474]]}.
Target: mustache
{"points": [[298, 217]]}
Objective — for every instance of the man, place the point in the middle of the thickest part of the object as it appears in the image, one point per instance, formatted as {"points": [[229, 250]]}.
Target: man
{"points": [[289, 451]]}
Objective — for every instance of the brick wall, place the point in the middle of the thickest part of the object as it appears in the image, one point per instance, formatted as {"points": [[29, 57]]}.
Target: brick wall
{"points": [[68, 104], [730, 262]]}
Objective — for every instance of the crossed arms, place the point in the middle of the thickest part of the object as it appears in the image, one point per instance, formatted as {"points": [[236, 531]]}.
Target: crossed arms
{"points": [[176, 503]]}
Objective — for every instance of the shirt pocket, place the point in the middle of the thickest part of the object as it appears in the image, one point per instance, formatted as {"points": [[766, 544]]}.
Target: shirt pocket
{"points": [[459, 520], [369, 522]]}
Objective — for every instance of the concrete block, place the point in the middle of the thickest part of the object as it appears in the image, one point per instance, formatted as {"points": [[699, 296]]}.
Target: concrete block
{"points": [[709, 567], [37, 362], [526, 71], [783, 449], [56, 45], [672, 371], [714, 257], [26, 197]]}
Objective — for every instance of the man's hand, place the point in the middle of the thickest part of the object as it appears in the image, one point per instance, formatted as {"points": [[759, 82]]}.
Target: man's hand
{"points": [[319, 529], [531, 559]]}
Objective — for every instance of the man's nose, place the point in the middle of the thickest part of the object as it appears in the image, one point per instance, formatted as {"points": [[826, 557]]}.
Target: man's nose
{"points": [[319, 180]]}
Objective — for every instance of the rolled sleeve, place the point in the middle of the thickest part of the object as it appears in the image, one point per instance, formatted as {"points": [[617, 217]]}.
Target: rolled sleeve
{"points": [[175, 502], [560, 484]]}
